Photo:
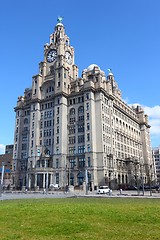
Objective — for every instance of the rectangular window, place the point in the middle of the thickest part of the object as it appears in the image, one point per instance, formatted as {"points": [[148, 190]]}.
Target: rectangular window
{"points": [[81, 162], [88, 137], [81, 149], [81, 139], [87, 96], [57, 163], [88, 148], [89, 161], [57, 178], [87, 106], [80, 128], [72, 163], [33, 116], [32, 134]]}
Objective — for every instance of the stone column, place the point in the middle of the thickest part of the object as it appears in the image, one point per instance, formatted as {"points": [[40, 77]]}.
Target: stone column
{"points": [[29, 181], [44, 182], [51, 178]]}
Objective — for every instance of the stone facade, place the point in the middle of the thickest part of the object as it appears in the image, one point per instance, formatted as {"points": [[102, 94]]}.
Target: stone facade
{"points": [[156, 156], [70, 130]]}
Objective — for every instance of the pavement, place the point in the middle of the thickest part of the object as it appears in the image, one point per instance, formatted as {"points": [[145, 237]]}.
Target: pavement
{"points": [[59, 194]]}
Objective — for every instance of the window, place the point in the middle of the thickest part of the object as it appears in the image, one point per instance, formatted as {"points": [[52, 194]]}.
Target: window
{"points": [[72, 140], [57, 150], [88, 148], [33, 116], [71, 129], [43, 163], [72, 120], [88, 137], [87, 116], [87, 106], [72, 111], [80, 109], [32, 134], [72, 163], [81, 149], [89, 161], [57, 139], [24, 146], [81, 162], [87, 95], [81, 118], [57, 163], [88, 126], [81, 139], [80, 128], [57, 178], [25, 121], [72, 150], [57, 120], [38, 163]]}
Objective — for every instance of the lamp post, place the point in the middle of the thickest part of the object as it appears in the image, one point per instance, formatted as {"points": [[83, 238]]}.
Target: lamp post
{"points": [[142, 177], [2, 175], [86, 173], [150, 175]]}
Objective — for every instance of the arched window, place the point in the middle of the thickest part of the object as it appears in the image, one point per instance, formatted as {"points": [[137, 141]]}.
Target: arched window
{"points": [[26, 121], [72, 111]]}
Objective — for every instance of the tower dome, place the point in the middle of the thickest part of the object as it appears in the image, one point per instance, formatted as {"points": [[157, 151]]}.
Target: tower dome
{"points": [[91, 67]]}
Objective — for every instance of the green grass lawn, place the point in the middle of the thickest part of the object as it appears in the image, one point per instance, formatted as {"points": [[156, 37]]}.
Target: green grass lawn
{"points": [[80, 218]]}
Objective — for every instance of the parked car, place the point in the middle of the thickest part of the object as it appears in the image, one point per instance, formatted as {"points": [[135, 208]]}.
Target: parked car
{"points": [[131, 188], [103, 190], [54, 186], [157, 187]]}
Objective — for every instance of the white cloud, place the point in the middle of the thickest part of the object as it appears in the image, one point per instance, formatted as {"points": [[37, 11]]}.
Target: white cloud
{"points": [[153, 112], [2, 148], [154, 119]]}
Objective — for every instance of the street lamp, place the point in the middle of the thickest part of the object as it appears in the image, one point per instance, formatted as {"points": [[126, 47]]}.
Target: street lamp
{"points": [[86, 173], [2, 175], [142, 177]]}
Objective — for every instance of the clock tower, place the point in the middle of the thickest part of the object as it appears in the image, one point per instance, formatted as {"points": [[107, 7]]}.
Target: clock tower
{"points": [[58, 62]]}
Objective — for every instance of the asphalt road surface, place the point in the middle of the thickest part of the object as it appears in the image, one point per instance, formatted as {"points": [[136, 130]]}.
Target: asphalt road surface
{"points": [[59, 194]]}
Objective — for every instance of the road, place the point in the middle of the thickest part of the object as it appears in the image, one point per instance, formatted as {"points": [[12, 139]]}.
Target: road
{"points": [[59, 194]]}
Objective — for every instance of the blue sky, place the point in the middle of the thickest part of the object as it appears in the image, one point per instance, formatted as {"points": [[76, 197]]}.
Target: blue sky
{"points": [[119, 34]]}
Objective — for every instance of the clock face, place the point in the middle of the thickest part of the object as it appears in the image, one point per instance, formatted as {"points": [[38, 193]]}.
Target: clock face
{"points": [[51, 56], [68, 57]]}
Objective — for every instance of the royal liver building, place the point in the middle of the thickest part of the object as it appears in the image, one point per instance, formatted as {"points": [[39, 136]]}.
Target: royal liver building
{"points": [[74, 130]]}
